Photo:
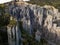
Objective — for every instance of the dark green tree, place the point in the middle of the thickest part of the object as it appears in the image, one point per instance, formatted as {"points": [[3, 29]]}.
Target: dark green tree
{"points": [[4, 17]]}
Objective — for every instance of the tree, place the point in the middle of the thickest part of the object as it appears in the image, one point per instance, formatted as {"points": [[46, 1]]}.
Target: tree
{"points": [[4, 17]]}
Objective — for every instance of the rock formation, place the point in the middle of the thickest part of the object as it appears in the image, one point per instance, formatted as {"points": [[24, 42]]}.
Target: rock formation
{"points": [[43, 19]]}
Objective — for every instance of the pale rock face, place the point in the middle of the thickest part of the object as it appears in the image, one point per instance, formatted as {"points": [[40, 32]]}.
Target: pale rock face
{"points": [[26, 0], [9, 35], [54, 26], [40, 15], [14, 35], [48, 21], [38, 36], [34, 17], [11, 18]]}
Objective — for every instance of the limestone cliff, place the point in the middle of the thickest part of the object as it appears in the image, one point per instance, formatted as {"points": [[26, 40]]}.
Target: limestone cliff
{"points": [[37, 18]]}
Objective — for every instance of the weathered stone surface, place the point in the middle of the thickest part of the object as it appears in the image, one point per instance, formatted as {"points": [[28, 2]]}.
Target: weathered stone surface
{"points": [[38, 18], [14, 35]]}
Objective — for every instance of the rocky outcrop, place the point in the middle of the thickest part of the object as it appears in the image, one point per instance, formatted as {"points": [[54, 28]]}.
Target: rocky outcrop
{"points": [[36, 18], [14, 35]]}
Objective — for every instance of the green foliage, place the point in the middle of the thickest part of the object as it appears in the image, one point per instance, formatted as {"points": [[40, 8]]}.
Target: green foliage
{"points": [[12, 23], [2, 5], [4, 20], [4, 17]]}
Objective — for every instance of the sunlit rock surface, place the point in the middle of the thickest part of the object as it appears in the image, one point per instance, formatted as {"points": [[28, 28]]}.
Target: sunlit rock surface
{"points": [[44, 19]]}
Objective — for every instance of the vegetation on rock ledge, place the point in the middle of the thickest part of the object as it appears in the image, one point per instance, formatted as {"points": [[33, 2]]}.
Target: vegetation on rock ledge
{"points": [[55, 3]]}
